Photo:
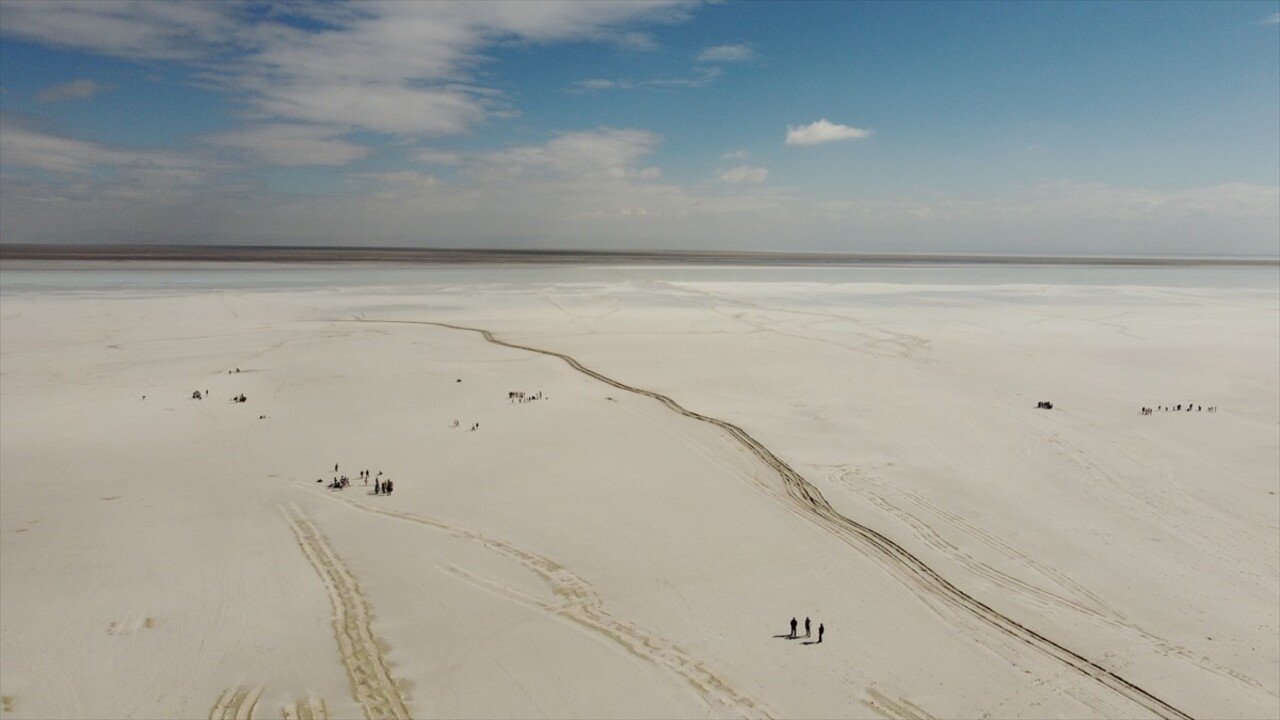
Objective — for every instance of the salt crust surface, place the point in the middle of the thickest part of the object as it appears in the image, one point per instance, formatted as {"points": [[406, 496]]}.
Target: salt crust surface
{"points": [[595, 554]]}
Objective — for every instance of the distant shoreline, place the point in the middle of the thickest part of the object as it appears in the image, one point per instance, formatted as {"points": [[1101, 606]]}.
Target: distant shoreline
{"points": [[438, 256]]}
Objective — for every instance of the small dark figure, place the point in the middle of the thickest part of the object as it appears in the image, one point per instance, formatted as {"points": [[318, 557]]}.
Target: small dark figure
{"points": [[821, 630], [806, 627], [793, 627], [390, 487], [335, 467], [377, 488]]}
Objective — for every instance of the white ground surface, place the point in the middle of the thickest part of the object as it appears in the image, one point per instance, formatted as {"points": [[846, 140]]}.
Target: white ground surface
{"points": [[597, 554]]}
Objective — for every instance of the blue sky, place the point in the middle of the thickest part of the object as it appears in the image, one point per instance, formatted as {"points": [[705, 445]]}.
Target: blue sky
{"points": [[1079, 127]]}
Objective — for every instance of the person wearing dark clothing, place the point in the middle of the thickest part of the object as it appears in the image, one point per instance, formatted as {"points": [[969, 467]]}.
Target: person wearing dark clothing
{"points": [[793, 627], [821, 630], [806, 627]]}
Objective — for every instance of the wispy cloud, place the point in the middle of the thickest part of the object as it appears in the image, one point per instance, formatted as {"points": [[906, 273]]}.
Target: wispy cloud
{"points": [[740, 52], [74, 90], [823, 131], [292, 144], [607, 154], [1273, 20], [702, 77], [742, 175], [398, 68], [739, 154], [71, 169], [437, 157], [135, 29]]}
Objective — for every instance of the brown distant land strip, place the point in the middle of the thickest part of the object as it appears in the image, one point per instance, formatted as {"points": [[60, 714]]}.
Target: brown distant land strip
{"points": [[331, 254]]}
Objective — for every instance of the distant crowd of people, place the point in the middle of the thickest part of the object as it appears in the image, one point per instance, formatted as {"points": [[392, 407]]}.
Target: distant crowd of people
{"points": [[1179, 408]]}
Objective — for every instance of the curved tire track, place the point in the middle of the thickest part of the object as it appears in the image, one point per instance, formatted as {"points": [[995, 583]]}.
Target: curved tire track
{"points": [[811, 501], [371, 681]]}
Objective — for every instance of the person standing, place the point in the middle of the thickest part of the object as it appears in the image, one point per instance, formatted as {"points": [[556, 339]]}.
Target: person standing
{"points": [[806, 627], [821, 630], [793, 627]]}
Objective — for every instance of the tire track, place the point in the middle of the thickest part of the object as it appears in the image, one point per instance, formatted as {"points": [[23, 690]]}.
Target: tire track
{"points": [[811, 501], [371, 681], [236, 704], [1088, 605], [308, 709], [1079, 600], [577, 601]]}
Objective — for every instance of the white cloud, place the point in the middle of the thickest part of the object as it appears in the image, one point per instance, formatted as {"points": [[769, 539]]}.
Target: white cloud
{"points": [[1273, 20], [437, 157], [598, 155], [74, 90], [823, 131], [700, 78], [401, 68], [293, 144], [739, 154], [86, 171], [742, 174], [741, 52], [137, 29], [25, 147], [592, 85]]}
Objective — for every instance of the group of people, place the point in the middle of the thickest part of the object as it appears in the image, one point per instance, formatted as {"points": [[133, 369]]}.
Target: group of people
{"points": [[793, 635], [380, 486], [1179, 408]]}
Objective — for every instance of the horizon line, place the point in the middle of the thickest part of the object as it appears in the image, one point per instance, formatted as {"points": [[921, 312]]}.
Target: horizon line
{"points": [[341, 253]]}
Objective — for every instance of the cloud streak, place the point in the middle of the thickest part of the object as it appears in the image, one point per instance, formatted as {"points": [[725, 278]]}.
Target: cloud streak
{"points": [[292, 144], [74, 90], [742, 175], [404, 69], [741, 52]]}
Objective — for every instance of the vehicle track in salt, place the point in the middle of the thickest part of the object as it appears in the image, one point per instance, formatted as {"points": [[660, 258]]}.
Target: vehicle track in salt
{"points": [[241, 703], [816, 507], [371, 680], [578, 602], [236, 704]]}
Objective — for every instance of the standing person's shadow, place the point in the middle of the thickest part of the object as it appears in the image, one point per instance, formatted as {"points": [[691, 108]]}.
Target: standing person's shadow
{"points": [[810, 642], [787, 636]]}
